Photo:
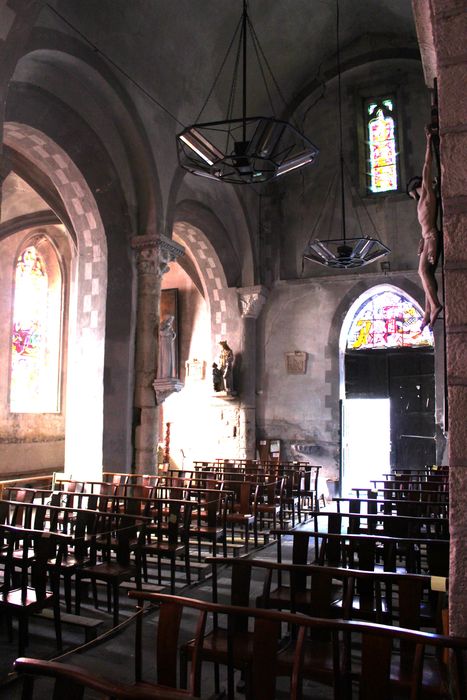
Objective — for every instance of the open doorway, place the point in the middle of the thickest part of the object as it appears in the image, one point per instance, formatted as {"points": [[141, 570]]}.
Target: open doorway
{"points": [[387, 387], [366, 442]]}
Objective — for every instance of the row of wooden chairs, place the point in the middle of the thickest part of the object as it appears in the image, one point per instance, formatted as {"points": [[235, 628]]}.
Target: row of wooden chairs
{"points": [[332, 652]]}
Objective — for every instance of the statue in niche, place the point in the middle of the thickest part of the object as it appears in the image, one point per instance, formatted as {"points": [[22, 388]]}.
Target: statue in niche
{"points": [[226, 359], [217, 378], [166, 360]]}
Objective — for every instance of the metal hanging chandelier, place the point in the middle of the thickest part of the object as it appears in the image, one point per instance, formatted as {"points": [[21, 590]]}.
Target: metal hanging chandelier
{"points": [[344, 253], [244, 150]]}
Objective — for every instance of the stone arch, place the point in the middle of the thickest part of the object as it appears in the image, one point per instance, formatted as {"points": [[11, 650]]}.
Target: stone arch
{"points": [[211, 274], [352, 310], [84, 392], [407, 285]]}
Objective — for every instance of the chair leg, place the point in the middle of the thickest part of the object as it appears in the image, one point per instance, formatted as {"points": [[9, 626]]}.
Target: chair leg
{"points": [[187, 565], [94, 592], [247, 536], [116, 604], [67, 588], [109, 597], [77, 595], [183, 669], [172, 576], [22, 634], [58, 623]]}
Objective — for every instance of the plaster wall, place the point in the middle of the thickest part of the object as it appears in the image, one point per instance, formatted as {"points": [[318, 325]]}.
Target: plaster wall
{"points": [[303, 409]]}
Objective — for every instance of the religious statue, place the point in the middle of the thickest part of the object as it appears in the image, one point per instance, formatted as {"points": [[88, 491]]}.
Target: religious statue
{"points": [[217, 378], [421, 189], [226, 359], [166, 361]]}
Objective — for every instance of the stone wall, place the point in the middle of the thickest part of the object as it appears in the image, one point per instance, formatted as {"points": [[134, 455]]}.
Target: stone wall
{"points": [[449, 22]]}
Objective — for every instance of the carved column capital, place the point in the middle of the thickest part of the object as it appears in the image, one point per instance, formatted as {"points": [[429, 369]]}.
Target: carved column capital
{"points": [[251, 300], [155, 253]]}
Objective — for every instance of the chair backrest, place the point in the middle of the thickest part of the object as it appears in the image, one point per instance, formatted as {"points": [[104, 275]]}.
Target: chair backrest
{"points": [[377, 643], [35, 571], [72, 681]]}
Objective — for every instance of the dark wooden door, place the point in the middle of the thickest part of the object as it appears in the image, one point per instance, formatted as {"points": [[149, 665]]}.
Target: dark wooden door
{"points": [[406, 377]]}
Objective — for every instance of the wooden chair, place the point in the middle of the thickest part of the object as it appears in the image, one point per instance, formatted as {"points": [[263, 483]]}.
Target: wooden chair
{"points": [[32, 590], [242, 512], [72, 681], [217, 647], [269, 504], [357, 653], [168, 537], [209, 523], [110, 557]]}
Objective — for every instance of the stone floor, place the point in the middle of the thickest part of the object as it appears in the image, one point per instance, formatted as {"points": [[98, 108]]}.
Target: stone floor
{"points": [[112, 655]]}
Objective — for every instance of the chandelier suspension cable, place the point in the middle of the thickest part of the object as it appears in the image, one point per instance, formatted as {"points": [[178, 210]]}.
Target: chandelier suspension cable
{"points": [[339, 97], [260, 51], [245, 148], [356, 193], [257, 48], [244, 22], [219, 72]]}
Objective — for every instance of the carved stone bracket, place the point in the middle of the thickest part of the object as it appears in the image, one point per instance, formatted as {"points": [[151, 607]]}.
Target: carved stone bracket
{"points": [[154, 253], [165, 387], [251, 300]]}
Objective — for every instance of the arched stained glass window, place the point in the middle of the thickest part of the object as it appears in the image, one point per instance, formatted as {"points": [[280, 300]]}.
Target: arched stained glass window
{"points": [[35, 345], [382, 146], [387, 319]]}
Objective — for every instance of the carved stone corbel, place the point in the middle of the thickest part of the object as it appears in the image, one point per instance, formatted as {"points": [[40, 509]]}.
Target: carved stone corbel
{"points": [[251, 300], [165, 387]]}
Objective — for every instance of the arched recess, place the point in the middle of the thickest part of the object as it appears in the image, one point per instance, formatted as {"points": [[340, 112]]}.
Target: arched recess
{"points": [[387, 386], [211, 275], [88, 276]]}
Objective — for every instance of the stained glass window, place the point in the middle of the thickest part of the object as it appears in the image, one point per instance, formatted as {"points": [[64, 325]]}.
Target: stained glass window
{"points": [[382, 149], [388, 320], [34, 360]]}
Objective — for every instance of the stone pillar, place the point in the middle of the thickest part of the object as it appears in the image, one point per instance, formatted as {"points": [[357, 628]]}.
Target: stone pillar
{"points": [[441, 31], [251, 301], [153, 255]]}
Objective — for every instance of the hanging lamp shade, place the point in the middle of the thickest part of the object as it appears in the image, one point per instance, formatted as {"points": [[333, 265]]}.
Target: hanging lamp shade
{"points": [[344, 253], [244, 149]]}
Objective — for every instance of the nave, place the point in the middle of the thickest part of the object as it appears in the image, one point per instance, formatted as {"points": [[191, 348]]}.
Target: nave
{"points": [[306, 609]]}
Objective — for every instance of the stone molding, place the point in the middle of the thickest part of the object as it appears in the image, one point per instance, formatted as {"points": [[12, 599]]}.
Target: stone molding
{"points": [[251, 300], [155, 253], [165, 387]]}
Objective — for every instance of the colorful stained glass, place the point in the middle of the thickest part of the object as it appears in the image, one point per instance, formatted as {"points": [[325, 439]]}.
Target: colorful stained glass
{"points": [[28, 338], [382, 146], [388, 320]]}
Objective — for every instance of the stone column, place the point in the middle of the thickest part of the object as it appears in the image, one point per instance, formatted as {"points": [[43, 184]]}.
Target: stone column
{"points": [[153, 255], [441, 33], [251, 301]]}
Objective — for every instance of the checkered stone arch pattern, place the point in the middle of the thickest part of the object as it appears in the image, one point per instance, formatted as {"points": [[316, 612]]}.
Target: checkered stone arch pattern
{"points": [[212, 276]]}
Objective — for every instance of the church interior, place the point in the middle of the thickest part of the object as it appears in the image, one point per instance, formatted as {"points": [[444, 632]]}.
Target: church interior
{"points": [[232, 270]]}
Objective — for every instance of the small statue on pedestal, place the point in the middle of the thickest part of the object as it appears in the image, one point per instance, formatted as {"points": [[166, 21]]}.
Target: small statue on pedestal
{"points": [[217, 378], [222, 370], [166, 360]]}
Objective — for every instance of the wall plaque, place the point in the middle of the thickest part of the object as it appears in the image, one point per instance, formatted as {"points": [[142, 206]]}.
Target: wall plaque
{"points": [[295, 362]]}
